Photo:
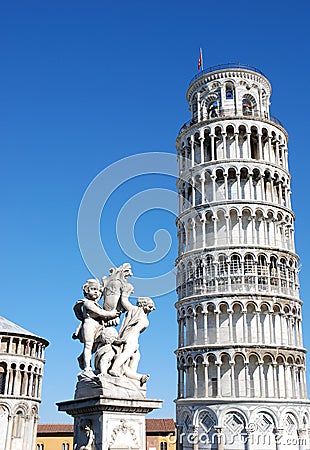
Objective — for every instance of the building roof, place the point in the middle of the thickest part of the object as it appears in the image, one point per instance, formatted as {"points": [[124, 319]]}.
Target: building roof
{"points": [[160, 426], [8, 327], [152, 426], [55, 428]]}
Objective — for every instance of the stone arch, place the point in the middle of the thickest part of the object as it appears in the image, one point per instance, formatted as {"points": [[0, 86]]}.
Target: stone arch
{"points": [[232, 184], [19, 422], [267, 373], [239, 375], [200, 325], [229, 90], [208, 187], [244, 183], [264, 144], [207, 144], [222, 275], [251, 322], [264, 436], [290, 423], [264, 323], [262, 271], [234, 224], [205, 420], [200, 375], [254, 376], [254, 147], [219, 143], [220, 193], [242, 141], [223, 321], [237, 322], [211, 323], [234, 429], [231, 150], [197, 188], [280, 376], [246, 225], [249, 104], [212, 375], [210, 106], [190, 277], [259, 232], [186, 419], [235, 271], [209, 272], [249, 271], [257, 184], [225, 374], [221, 227]]}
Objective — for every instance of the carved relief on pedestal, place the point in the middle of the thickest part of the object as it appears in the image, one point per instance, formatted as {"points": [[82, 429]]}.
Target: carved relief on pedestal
{"points": [[124, 437]]}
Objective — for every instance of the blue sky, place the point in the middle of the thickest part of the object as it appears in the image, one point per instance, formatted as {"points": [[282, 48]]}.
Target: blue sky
{"points": [[85, 84]]}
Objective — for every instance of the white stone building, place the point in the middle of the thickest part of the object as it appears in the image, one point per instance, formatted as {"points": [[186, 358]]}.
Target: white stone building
{"points": [[21, 371], [240, 356]]}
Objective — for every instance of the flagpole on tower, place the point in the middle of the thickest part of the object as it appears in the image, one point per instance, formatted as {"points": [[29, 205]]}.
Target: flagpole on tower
{"points": [[200, 60]]}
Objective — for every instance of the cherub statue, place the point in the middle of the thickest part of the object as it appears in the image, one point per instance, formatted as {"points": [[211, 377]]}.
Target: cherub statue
{"points": [[117, 354], [134, 323], [105, 342], [92, 317]]}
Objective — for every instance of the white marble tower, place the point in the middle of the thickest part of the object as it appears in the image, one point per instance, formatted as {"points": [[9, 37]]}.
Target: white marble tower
{"points": [[21, 372], [240, 356]]}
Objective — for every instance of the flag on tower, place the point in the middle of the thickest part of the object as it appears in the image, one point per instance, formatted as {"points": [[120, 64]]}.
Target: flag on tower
{"points": [[200, 61]]}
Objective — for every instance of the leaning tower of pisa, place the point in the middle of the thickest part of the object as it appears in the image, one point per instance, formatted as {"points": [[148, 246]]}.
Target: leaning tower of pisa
{"points": [[240, 356]]}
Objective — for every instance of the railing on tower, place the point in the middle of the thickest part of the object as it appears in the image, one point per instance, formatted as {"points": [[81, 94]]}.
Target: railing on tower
{"points": [[224, 113], [226, 66]]}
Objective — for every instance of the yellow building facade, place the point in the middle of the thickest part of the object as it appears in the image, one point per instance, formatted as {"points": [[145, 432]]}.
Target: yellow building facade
{"points": [[55, 437], [160, 435]]}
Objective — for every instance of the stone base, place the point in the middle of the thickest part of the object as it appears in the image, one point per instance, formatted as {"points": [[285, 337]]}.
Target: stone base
{"points": [[102, 423], [91, 385]]}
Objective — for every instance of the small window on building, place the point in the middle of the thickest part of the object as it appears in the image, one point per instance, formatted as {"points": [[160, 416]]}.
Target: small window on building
{"points": [[229, 92], [40, 446], [213, 110], [65, 446], [163, 445], [214, 386], [246, 107]]}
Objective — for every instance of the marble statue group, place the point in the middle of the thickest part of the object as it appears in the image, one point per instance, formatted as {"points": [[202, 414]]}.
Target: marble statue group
{"points": [[116, 350]]}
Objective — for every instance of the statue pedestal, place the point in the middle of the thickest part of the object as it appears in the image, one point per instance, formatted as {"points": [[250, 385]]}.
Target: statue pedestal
{"points": [[102, 423]]}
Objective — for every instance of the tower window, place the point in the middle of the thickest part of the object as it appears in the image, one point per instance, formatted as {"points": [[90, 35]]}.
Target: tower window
{"points": [[246, 107], [229, 93], [213, 110], [214, 386], [163, 445]]}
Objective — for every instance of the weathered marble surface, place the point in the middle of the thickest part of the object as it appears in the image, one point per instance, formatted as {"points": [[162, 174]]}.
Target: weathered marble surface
{"points": [[91, 385]]}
